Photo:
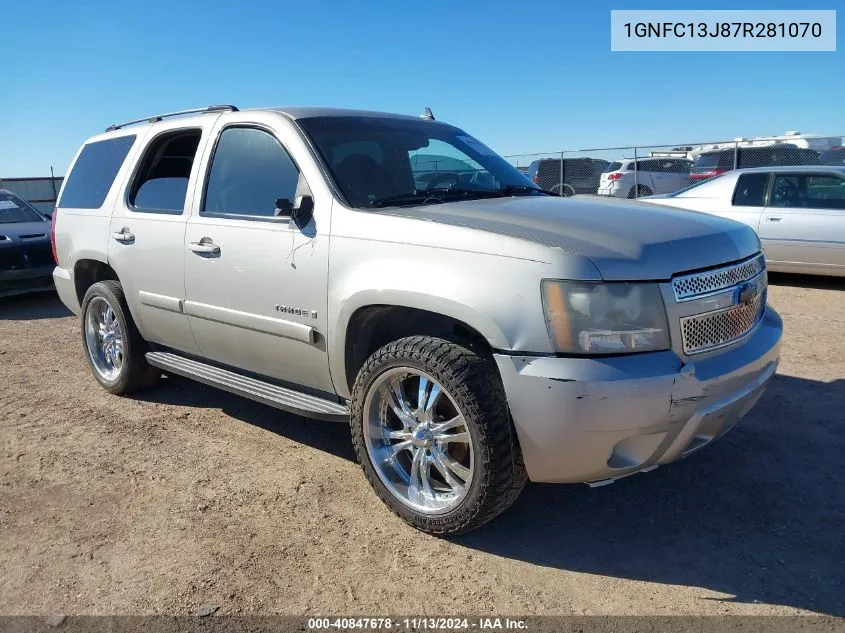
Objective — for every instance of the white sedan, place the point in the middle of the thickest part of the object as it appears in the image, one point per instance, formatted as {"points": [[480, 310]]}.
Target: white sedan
{"points": [[798, 212]]}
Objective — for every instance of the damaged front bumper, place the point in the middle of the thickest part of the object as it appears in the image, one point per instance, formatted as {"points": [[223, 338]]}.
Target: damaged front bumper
{"points": [[597, 419]]}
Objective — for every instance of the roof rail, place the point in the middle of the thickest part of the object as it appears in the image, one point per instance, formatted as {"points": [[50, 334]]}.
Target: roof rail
{"points": [[167, 115]]}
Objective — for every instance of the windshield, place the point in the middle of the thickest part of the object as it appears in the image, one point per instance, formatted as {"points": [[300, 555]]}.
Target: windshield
{"points": [[382, 161], [14, 210], [614, 166]]}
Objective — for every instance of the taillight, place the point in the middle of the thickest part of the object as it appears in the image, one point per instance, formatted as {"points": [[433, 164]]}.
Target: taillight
{"points": [[536, 180], [53, 236], [707, 174], [615, 175]]}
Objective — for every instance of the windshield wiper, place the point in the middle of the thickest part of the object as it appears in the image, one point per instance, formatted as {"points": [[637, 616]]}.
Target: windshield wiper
{"points": [[509, 190], [435, 194]]}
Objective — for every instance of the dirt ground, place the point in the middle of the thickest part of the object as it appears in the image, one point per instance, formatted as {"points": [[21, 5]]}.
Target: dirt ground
{"points": [[187, 496]]}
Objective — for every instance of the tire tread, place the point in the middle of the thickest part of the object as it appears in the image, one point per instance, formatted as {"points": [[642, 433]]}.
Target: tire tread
{"points": [[475, 382]]}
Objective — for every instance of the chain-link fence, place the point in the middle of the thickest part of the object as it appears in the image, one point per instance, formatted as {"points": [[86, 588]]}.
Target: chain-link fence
{"points": [[643, 170]]}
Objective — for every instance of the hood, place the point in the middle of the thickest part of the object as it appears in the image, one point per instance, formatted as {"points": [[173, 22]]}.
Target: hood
{"points": [[626, 240], [24, 232]]}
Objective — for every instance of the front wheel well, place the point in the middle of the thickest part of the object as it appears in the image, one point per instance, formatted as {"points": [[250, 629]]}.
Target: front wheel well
{"points": [[373, 327], [87, 272]]}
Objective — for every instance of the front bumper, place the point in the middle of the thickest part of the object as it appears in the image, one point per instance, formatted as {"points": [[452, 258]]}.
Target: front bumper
{"points": [[598, 419], [26, 280]]}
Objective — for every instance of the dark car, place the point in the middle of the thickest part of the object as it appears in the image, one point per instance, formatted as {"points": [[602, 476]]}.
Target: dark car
{"points": [[26, 257], [567, 176], [710, 164]]}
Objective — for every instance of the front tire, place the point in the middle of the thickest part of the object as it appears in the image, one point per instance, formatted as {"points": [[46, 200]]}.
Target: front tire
{"points": [[433, 434], [112, 344]]}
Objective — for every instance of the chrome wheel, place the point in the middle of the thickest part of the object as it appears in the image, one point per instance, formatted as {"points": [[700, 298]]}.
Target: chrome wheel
{"points": [[418, 441], [104, 339]]}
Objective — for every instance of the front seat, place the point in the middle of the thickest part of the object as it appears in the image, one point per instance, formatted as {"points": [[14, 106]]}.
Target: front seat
{"points": [[363, 179]]}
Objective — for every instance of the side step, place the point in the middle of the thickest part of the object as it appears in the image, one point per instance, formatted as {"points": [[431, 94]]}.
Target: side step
{"points": [[280, 397]]}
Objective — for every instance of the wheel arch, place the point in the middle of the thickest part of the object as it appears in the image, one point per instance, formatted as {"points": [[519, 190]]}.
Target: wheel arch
{"points": [[372, 320], [88, 271]]}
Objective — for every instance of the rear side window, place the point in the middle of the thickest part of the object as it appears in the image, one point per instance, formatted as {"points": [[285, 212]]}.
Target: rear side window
{"points": [[93, 173], [751, 190], [161, 184]]}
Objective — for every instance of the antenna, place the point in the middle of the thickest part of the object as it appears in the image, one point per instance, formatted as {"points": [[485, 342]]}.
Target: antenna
{"points": [[427, 114]]}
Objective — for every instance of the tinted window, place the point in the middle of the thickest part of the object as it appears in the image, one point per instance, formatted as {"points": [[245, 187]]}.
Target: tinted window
{"points": [[161, 184], [613, 167], [809, 191], [14, 209], [775, 155], [93, 173], [707, 160], [834, 156], [751, 190], [648, 165], [249, 172], [669, 166]]}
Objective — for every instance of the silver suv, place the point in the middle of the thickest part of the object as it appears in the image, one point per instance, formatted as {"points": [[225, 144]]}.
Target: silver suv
{"points": [[395, 273]]}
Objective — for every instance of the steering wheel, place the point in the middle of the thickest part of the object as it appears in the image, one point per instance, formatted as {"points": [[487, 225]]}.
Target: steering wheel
{"points": [[443, 177], [482, 178]]}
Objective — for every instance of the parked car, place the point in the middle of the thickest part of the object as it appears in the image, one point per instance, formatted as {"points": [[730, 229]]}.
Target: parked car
{"points": [[472, 337], [653, 175], [834, 156], [798, 212], [26, 261], [568, 176], [710, 164]]}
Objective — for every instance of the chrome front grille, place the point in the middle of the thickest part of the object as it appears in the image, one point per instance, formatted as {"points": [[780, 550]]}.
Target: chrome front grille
{"points": [[715, 329], [692, 286]]}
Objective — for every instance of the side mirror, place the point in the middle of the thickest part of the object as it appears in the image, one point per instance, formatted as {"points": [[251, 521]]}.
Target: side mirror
{"points": [[284, 208], [303, 211]]}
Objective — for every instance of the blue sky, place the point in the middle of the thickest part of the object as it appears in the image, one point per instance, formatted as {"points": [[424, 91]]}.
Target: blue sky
{"points": [[521, 76]]}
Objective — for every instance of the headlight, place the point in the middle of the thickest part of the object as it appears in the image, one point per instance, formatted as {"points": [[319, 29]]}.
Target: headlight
{"points": [[605, 318]]}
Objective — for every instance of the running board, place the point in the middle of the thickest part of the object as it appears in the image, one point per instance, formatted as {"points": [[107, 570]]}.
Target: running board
{"points": [[280, 397]]}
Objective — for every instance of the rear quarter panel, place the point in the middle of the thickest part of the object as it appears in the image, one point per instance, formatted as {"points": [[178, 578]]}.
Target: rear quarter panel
{"points": [[84, 233]]}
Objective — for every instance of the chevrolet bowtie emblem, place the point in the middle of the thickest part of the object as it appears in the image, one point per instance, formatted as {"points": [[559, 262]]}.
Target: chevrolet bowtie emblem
{"points": [[747, 293]]}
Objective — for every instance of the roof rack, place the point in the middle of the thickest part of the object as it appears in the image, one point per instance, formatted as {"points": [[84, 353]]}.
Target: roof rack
{"points": [[167, 115]]}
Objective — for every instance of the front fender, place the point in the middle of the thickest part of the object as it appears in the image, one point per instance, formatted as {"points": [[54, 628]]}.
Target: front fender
{"points": [[499, 297]]}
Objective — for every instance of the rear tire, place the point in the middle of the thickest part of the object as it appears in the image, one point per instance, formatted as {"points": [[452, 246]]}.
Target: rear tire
{"points": [[639, 192], [112, 344], [563, 190], [465, 475]]}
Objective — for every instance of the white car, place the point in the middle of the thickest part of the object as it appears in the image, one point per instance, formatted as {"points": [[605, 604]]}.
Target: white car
{"points": [[632, 178], [798, 212]]}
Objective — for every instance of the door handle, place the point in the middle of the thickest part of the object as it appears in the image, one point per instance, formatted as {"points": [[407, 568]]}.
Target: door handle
{"points": [[774, 218], [124, 235], [205, 246]]}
